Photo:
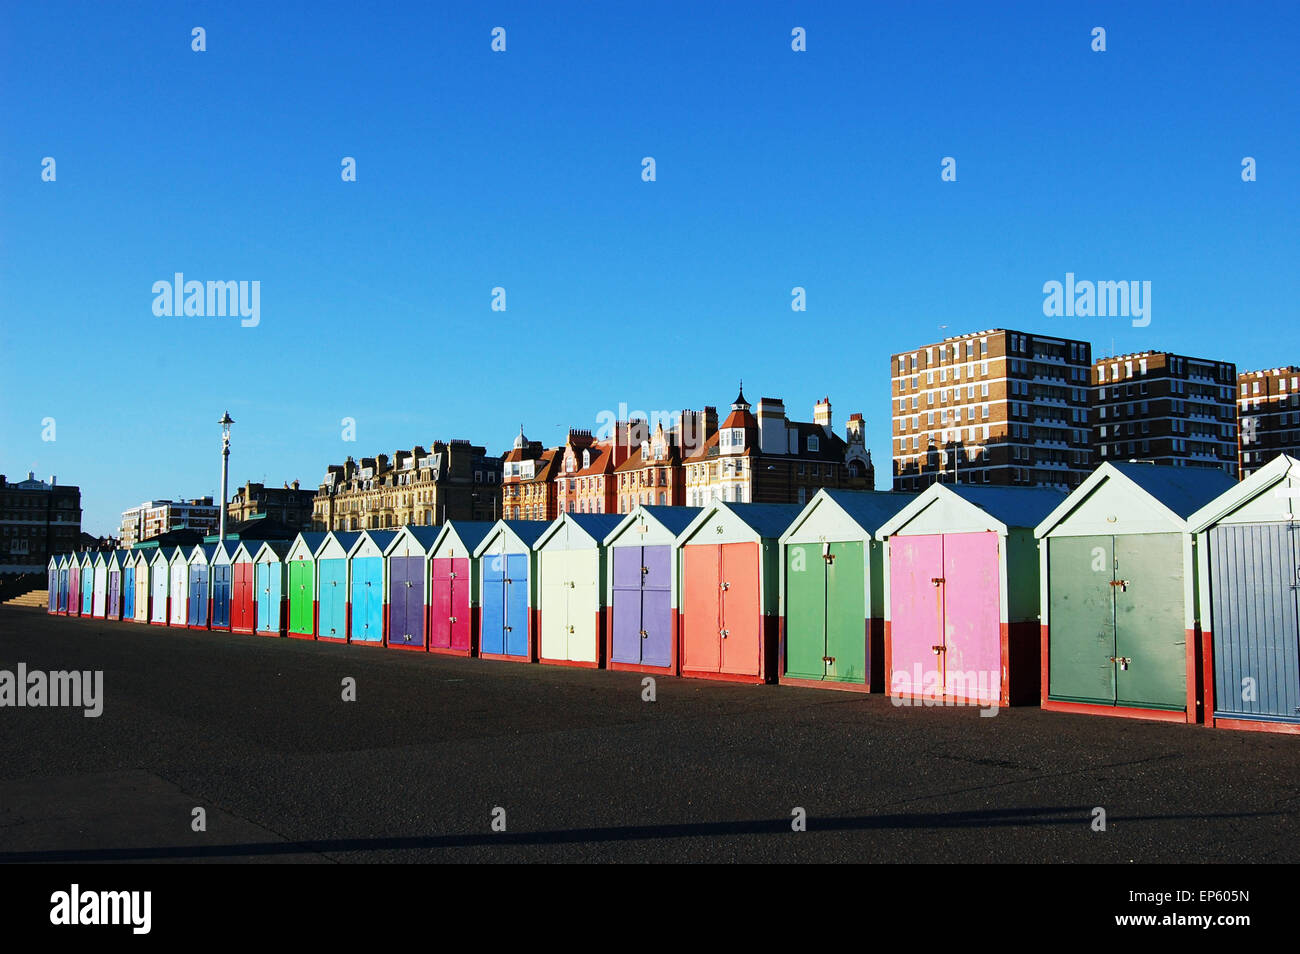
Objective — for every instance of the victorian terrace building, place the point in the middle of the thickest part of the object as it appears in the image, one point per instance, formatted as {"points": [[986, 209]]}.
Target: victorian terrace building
{"points": [[451, 481], [770, 459]]}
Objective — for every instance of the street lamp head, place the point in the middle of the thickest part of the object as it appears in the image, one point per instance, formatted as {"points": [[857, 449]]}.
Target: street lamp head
{"points": [[226, 420]]}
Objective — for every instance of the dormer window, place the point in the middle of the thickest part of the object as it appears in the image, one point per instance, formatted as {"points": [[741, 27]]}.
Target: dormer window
{"points": [[814, 444], [586, 459]]}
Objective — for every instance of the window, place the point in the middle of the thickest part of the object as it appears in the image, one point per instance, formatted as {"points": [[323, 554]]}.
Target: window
{"points": [[814, 444]]}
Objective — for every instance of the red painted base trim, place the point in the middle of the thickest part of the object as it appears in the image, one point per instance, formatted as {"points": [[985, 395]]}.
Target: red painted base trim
{"points": [[409, 647], [502, 657], [1250, 725], [947, 699], [823, 684], [448, 651], [749, 678], [241, 630], [1120, 712], [362, 642], [188, 626], [275, 633], [225, 629], [331, 639], [572, 663], [302, 636], [638, 667]]}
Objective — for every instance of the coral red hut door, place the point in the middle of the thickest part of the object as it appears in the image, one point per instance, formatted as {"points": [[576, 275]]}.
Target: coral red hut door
{"points": [[243, 599], [740, 612], [916, 594], [702, 623]]}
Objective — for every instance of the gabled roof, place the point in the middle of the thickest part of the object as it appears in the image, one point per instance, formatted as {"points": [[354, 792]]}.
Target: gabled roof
{"points": [[310, 540], [635, 460], [527, 531], [1184, 490], [1260, 482], [866, 508], [277, 548], [1179, 491], [346, 540], [597, 526], [470, 532], [248, 547], [673, 519], [424, 537], [766, 520], [1009, 506], [708, 449], [382, 539]]}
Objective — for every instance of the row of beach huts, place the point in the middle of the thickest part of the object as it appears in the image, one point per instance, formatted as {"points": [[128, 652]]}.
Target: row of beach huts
{"points": [[1154, 592]]}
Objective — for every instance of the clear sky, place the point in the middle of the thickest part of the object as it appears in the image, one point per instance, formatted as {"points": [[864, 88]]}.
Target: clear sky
{"points": [[522, 169]]}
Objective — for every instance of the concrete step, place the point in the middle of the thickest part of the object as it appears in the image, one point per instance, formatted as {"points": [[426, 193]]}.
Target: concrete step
{"points": [[32, 598]]}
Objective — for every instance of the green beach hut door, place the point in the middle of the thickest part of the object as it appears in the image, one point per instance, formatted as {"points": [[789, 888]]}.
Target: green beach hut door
{"points": [[1117, 629]]}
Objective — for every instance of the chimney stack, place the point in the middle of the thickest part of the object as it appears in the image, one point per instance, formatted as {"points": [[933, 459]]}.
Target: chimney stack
{"points": [[822, 413]]}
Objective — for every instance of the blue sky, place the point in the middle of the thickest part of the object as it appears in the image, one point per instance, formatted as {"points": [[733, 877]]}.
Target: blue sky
{"points": [[523, 170]]}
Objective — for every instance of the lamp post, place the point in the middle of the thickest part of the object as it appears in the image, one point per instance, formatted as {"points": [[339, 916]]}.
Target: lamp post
{"points": [[225, 423]]}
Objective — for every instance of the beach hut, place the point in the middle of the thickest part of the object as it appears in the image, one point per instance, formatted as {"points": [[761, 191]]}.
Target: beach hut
{"points": [[270, 578], [160, 586], [961, 617], [643, 589], [301, 573], [74, 584], [832, 591], [115, 567], [408, 587], [140, 571], [730, 558], [199, 585], [52, 585], [128, 584], [64, 562], [99, 603], [507, 580], [366, 594], [243, 588], [178, 586], [88, 582], [571, 573], [220, 579], [454, 580], [1248, 576], [1119, 629], [332, 585]]}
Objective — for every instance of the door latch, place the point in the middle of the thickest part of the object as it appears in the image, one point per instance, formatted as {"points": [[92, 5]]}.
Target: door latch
{"points": [[724, 632], [451, 619], [644, 634], [828, 660], [570, 629], [938, 649], [1122, 584], [726, 586], [1121, 661], [936, 580]]}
